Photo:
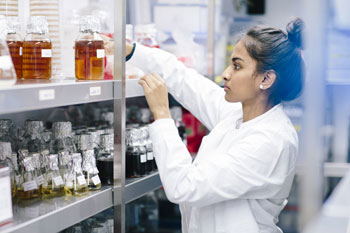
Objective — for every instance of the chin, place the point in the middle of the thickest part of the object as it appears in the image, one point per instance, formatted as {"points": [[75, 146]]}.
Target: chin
{"points": [[230, 99]]}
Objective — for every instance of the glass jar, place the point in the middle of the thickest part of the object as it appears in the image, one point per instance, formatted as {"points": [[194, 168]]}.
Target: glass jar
{"points": [[15, 43], [105, 159], [146, 34], [89, 50], [7, 71], [37, 50]]}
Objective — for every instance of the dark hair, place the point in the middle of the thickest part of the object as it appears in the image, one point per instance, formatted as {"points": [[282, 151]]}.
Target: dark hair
{"points": [[273, 49]]}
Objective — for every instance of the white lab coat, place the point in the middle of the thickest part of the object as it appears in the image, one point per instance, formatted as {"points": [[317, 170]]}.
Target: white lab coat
{"points": [[243, 172]]}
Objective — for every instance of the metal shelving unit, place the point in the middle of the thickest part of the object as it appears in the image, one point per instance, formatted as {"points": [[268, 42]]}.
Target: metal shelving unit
{"points": [[56, 214]]}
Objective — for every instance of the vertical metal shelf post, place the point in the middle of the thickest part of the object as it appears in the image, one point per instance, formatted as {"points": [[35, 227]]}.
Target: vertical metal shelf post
{"points": [[314, 98], [211, 40], [119, 113]]}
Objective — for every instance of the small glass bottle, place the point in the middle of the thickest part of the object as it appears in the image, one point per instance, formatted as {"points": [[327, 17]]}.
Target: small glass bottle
{"points": [[105, 159], [37, 50], [28, 189], [146, 34], [89, 50], [53, 185], [15, 43], [7, 70], [76, 183], [89, 161]]}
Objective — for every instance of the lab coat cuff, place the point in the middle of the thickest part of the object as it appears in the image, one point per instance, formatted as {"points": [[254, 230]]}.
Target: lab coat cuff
{"points": [[160, 127]]}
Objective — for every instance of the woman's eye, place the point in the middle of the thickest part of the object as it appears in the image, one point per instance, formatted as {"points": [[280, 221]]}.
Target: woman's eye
{"points": [[236, 66]]}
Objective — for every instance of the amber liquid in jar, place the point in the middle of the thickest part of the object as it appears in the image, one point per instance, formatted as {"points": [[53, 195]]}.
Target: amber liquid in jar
{"points": [[89, 60], [15, 48], [36, 60]]}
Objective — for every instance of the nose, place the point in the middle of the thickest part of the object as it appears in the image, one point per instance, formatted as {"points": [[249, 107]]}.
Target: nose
{"points": [[226, 75]]}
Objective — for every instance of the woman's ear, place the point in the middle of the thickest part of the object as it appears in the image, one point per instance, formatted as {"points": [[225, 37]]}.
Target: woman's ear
{"points": [[268, 80]]}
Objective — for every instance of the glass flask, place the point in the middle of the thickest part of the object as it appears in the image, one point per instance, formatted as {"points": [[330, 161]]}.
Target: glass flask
{"points": [[15, 43], [37, 50], [7, 71], [89, 50], [65, 167], [89, 161], [105, 159], [28, 188], [76, 182], [53, 185], [37, 161]]}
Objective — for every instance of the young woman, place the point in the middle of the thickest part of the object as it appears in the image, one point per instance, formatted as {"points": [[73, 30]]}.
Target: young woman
{"points": [[243, 172]]}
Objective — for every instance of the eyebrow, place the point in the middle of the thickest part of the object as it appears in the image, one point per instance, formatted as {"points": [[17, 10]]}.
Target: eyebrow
{"points": [[237, 58]]}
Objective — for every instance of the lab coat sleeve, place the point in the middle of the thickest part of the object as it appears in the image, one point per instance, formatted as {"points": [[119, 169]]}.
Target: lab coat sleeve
{"points": [[260, 166], [202, 97]]}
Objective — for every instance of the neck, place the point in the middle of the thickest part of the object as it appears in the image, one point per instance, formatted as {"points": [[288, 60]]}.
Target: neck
{"points": [[256, 108]]}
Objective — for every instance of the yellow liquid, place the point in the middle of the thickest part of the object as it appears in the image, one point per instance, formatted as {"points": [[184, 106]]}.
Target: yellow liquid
{"points": [[79, 191], [94, 187], [47, 191], [27, 195]]}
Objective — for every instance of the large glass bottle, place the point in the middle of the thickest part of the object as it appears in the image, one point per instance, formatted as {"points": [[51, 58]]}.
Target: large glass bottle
{"points": [[89, 50], [7, 71], [37, 50], [15, 43], [76, 183], [105, 159], [53, 185], [28, 189], [89, 161]]}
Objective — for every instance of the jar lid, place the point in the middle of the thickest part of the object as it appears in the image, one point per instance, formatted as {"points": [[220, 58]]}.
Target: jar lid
{"points": [[90, 23], [38, 25], [13, 24], [34, 128], [62, 129], [5, 150]]}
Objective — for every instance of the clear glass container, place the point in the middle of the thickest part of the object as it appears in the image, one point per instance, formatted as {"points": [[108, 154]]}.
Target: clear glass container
{"points": [[89, 50], [7, 70], [146, 34], [76, 183], [15, 43], [105, 159], [37, 50], [28, 189], [53, 185]]}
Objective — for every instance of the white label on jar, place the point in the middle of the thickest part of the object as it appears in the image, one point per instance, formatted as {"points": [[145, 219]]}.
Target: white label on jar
{"points": [[96, 180], [150, 156], [5, 199], [20, 51], [40, 180], [143, 158], [94, 91], [29, 185], [6, 63], [58, 180], [69, 184], [81, 180], [100, 53], [46, 53], [47, 94]]}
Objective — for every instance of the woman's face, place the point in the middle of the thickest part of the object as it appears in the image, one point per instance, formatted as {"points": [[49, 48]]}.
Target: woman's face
{"points": [[241, 81]]}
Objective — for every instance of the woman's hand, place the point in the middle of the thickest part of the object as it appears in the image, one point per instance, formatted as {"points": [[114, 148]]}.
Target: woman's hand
{"points": [[156, 94]]}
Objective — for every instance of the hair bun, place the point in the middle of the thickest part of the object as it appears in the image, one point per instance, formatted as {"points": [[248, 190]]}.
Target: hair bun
{"points": [[295, 29]]}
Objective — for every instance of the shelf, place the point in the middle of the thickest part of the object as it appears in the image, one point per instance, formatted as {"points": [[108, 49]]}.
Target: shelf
{"points": [[56, 214], [137, 187], [40, 94]]}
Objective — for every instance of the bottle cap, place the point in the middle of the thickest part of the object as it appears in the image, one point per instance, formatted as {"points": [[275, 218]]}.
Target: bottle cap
{"points": [[76, 157], [28, 164], [36, 159], [53, 162], [84, 142], [62, 129], [13, 25], [107, 141], [89, 162], [89, 23], [38, 25], [5, 150], [34, 128]]}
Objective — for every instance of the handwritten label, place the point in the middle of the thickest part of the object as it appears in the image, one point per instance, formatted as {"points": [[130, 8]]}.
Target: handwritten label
{"points": [[29, 185], [46, 53], [94, 91], [96, 180], [58, 180], [143, 158], [47, 94], [150, 156], [100, 53], [81, 180], [5, 199]]}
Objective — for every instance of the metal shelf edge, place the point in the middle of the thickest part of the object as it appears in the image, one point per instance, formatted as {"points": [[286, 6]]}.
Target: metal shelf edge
{"points": [[66, 216], [137, 187]]}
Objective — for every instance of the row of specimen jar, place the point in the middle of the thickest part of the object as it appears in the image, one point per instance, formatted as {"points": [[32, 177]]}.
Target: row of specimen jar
{"points": [[32, 57], [55, 162]]}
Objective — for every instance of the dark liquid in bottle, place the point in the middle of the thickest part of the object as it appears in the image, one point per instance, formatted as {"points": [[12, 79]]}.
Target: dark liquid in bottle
{"points": [[89, 62], [36, 60], [105, 168], [15, 48]]}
